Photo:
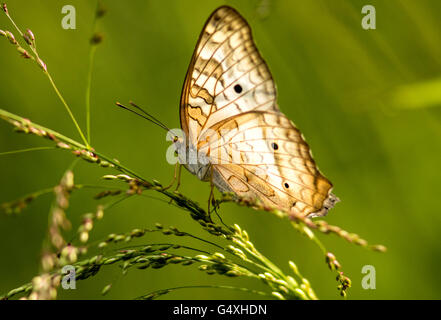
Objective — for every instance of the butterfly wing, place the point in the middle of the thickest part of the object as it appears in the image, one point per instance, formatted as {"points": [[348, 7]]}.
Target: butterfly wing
{"points": [[230, 115], [262, 155], [226, 77]]}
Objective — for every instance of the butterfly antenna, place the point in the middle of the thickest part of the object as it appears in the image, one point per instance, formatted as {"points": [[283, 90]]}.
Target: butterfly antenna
{"points": [[145, 115]]}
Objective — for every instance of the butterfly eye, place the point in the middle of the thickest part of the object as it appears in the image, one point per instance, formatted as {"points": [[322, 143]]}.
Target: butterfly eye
{"points": [[286, 185], [238, 88], [275, 146], [175, 139]]}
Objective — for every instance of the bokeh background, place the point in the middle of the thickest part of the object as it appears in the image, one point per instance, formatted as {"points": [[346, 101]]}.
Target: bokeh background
{"points": [[368, 102]]}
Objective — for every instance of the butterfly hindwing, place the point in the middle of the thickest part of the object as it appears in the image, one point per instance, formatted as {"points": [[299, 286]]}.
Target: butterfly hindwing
{"points": [[262, 155]]}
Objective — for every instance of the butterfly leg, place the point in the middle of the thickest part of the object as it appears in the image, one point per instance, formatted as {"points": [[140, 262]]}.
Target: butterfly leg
{"points": [[176, 176], [213, 202], [177, 168], [179, 178], [211, 198]]}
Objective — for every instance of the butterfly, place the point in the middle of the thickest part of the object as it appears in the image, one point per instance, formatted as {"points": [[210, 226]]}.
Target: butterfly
{"points": [[234, 132]]}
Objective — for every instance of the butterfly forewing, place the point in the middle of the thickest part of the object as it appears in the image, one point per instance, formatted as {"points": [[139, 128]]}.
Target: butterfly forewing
{"points": [[229, 114], [227, 76]]}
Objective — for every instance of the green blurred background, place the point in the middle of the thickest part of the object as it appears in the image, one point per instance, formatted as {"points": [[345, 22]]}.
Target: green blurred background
{"points": [[368, 102]]}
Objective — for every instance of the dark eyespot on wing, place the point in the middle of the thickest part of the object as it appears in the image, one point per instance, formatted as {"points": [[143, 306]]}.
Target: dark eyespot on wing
{"points": [[238, 88]]}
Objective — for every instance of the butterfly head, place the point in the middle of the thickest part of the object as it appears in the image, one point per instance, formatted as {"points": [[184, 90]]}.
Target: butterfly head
{"points": [[180, 148], [195, 162]]}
